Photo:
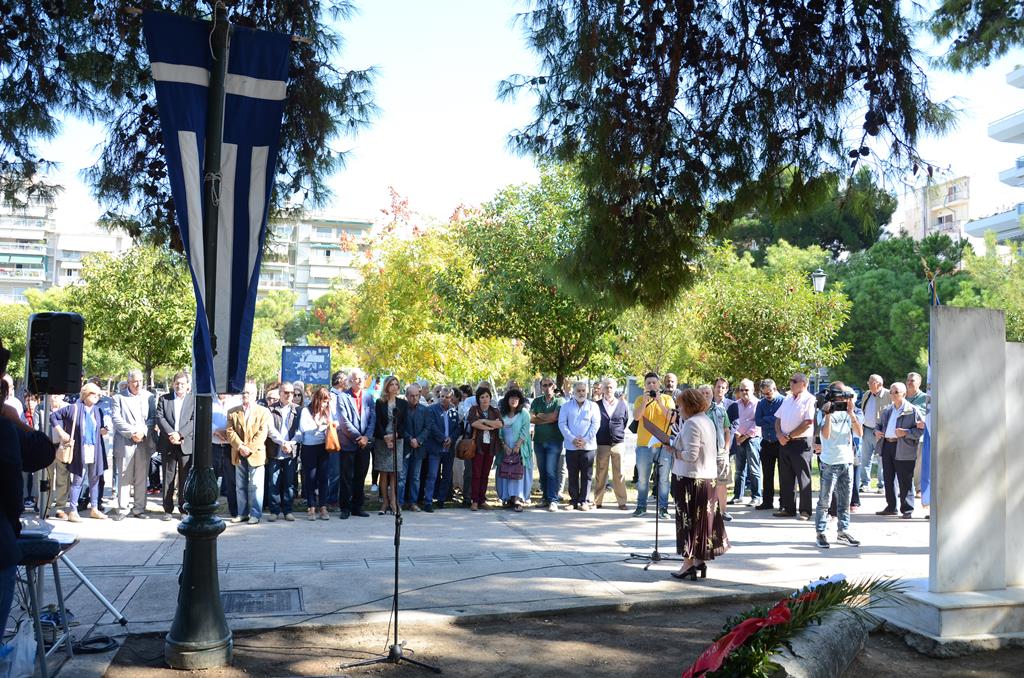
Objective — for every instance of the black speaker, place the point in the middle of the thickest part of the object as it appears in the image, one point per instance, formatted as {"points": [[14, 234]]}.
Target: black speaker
{"points": [[53, 354]]}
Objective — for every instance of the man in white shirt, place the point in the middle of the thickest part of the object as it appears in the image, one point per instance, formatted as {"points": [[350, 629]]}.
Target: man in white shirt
{"points": [[839, 424], [133, 416], [794, 426], [578, 420], [874, 400]]}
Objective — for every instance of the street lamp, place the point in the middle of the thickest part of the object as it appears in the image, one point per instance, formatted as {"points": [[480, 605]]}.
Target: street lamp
{"points": [[818, 278]]}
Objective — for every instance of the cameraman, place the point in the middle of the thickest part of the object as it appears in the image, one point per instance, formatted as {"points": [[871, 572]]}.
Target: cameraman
{"points": [[838, 425], [21, 449]]}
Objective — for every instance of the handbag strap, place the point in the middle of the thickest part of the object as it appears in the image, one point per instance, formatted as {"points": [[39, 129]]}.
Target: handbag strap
{"points": [[74, 421]]}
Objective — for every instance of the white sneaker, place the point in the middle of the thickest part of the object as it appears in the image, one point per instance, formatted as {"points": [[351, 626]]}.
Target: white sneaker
{"points": [[374, 488], [553, 507]]}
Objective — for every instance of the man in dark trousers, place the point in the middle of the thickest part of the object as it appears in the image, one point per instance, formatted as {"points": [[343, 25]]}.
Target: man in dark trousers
{"points": [[175, 419]]}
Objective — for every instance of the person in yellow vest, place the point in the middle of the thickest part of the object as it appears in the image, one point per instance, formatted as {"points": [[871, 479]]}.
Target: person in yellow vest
{"points": [[657, 408], [247, 430]]}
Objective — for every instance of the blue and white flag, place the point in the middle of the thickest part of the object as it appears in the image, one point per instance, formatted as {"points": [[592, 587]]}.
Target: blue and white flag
{"points": [[257, 73], [926, 446]]}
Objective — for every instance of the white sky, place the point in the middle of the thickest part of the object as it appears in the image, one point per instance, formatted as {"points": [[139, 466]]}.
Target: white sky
{"points": [[441, 138]]}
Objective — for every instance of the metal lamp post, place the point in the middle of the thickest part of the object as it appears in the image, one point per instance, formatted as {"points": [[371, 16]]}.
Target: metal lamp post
{"points": [[818, 278], [200, 637]]}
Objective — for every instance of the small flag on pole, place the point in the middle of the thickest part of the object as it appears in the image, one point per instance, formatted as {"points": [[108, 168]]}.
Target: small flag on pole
{"points": [[255, 90]]}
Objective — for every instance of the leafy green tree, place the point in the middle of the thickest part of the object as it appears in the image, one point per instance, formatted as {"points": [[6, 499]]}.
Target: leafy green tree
{"points": [[13, 331], [888, 327], [758, 323], [277, 311], [996, 280], [659, 341], [140, 304], [264, 353], [845, 219], [515, 244], [682, 116], [401, 325], [88, 59]]}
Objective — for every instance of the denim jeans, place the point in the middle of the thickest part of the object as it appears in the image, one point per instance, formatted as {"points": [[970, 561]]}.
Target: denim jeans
{"points": [[837, 478], [409, 474], [868, 449], [548, 459], [249, 489], [646, 457], [748, 466], [333, 479], [282, 484]]}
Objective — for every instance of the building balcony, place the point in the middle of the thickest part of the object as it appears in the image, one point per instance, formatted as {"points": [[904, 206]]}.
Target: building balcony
{"points": [[1016, 77], [23, 247], [22, 273], [1009, 129], [275, 283], [1015, 175], [1006, 225]]}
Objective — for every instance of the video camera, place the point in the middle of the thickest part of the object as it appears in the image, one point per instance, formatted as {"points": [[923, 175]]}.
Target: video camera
{"points": [[829, 397]]}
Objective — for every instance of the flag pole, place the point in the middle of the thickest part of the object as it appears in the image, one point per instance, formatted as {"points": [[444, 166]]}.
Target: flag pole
{"points": [[200, 637]]}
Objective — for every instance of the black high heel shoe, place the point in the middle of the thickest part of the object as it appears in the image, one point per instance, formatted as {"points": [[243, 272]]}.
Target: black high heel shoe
{"points": [[688, 573], [692, 572]]}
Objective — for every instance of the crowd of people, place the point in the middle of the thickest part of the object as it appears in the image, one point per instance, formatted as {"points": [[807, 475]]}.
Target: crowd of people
{"points": [[424, 449]]}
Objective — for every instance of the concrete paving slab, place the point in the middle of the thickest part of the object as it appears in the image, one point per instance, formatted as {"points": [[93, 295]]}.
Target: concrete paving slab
{"points": [[456, 563]]}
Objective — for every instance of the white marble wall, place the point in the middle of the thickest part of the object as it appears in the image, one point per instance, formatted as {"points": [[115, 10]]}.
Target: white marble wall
{"points": [[969, 436], [1015, 464]]}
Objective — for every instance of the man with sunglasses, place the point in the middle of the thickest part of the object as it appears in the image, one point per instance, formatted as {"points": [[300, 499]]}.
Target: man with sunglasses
{"points": [[794, 427], [547, 441]]}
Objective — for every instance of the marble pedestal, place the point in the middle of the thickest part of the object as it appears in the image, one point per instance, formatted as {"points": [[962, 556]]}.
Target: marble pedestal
{"points": [[973, 597], [953, 624]]}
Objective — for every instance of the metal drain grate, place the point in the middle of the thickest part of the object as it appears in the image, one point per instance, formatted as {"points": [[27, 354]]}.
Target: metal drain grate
{"points": [[262, 601]]}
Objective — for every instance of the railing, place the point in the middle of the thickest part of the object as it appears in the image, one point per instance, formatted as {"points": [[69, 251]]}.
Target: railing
{"points": [[23, 273], [22, 247]]}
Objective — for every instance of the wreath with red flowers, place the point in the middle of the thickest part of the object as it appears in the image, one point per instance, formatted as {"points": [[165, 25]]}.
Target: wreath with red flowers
{"points": [[748, 642]]}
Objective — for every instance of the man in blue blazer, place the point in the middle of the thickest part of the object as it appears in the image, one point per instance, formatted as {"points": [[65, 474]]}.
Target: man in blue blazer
{"points": [[356, 418], [440, 445]]}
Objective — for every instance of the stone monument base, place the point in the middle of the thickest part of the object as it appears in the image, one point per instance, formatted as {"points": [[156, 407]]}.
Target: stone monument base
{"points": [[954, 624]]}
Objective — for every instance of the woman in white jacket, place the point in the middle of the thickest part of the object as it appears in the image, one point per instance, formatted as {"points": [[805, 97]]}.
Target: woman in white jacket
{"points": [[700, 528]]}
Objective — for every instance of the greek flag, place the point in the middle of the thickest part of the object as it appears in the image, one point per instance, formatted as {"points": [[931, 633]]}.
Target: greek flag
{"points": [[926, 448], [257, 73]]}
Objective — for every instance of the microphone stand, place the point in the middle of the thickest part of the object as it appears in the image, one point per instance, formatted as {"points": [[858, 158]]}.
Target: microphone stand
{"points": [[396, 651], [655, 556]]}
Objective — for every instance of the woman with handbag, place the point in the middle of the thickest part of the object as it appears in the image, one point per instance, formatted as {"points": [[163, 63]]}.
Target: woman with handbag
{"points": [[484, 420], [84, 445], [315, 424], [515, 468], [388, 433]]}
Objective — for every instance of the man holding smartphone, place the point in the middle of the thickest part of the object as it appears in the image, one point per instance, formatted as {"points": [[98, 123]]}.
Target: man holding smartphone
{"points": [[656, 408]]}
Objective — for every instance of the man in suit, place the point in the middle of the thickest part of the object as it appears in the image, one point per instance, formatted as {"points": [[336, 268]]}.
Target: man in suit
{"points": [[440, 446], [282, 454], [339, 383], [175, 423], [133, 415], [899, 429], [356, 419], [417, 432], [247, 431]]}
